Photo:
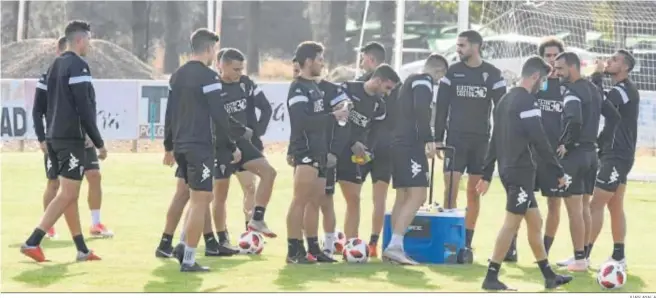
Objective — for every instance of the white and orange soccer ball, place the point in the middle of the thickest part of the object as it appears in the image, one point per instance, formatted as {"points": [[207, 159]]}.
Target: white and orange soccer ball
{"points": [[251, 243], [356, 251], [611, 275], [340, 242]]}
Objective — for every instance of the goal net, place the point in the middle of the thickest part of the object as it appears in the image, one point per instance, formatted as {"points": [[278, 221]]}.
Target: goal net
{"points": [[592, 29]]}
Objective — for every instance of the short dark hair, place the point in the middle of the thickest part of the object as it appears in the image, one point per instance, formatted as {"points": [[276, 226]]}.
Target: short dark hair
{"points": [[570, 58], [203, 39], [232, 54], [374, 49], [435, 59], [220, 53], [535, 64], [472, 36], [629, 60], [307, 50], [386, 72], [74, 27], [61, 43], [551, 41]]}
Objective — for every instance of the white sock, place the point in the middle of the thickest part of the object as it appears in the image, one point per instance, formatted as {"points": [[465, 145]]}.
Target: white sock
{"points": [[329, 241], [396, 241], [95, 216], [189, 256]]}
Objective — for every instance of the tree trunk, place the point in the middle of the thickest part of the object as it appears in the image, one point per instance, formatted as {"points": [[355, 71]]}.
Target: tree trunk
{"points": [[337, 34], [26, 19], [14, 23], [171, 37], [139, 26], [253, 52], [387, 12]]}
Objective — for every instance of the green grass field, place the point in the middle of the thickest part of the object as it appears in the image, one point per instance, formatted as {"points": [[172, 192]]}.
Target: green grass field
{"points": [[137, 191]]}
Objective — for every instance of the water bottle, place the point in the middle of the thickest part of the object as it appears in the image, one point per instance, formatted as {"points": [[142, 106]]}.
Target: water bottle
{"points": [[342, 122]]}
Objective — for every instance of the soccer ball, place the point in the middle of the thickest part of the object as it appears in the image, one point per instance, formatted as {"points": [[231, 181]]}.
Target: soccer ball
{"points": [[356, 251], [611, 275], [340, 242], [251, 243]]}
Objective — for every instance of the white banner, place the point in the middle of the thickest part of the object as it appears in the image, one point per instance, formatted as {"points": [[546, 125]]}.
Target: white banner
{"points": [[16, 121], [129, 109]]}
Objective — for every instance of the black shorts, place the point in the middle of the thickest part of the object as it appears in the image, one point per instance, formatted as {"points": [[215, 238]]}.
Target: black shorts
{"points": [[470, 153], [519, 192], [91, 161], [257, 142], [317, 161], [67, 159], [223, 166], [580, 167], [612, 172], [195, 165], [546, 181], [380, 167], [347, 170], [331, 178], [409, 167]]}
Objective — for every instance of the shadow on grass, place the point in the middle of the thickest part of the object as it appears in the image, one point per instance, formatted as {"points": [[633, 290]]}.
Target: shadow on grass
{"points": [[46, 275], [170, 279], [584, 282], [56, 243], [462, 273], [296, 277]]}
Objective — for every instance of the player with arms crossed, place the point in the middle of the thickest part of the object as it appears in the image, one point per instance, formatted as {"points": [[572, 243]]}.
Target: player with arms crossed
{"points": [[412, 145], [380, 168], [236, 91], [465, 98], [70, 116], [583, 106], [307, 145], [194, 105], [617, 154], [517, 126]]}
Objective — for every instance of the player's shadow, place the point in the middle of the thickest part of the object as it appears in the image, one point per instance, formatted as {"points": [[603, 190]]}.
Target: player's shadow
{"points": [[296, 277], [56, 243], [461, 272], [170, 279], [584, 282], [46, 275]]}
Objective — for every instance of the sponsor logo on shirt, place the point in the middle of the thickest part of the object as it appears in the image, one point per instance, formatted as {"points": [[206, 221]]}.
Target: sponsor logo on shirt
{"points": [[471, 92]]}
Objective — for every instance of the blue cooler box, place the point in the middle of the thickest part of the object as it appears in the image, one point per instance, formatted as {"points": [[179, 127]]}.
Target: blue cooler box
{"points": [[432, 237]]}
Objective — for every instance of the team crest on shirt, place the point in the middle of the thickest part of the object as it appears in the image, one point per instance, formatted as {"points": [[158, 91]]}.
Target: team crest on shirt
{"points": [[485, 75]]}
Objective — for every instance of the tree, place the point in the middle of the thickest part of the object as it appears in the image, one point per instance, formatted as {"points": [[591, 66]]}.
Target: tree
{"points": [[475, 8], [140, 29], [387, 12], [252, 48], [337, 50], [171, 37]]}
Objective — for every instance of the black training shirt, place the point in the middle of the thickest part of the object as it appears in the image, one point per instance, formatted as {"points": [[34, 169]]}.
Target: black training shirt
{"points": [[412, 111], [625, 96], [71, 101], [383, 135], [517, 128], [194, 103], [337, 136], [365, 115], [465, 98], [256, 99], [40, 107], [308, 118], [550, 102]]}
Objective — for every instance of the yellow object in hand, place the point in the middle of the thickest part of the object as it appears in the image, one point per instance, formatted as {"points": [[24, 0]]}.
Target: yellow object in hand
{"points": [[361, 160]]}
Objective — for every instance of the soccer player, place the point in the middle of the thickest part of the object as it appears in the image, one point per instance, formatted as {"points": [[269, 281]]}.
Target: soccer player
{"points": [[466, 94], [365, 121], [412, 145], [617, 154], [70, 116], [195, 104], [91, 164], [337, 139], [308, 145], [517, 126], [296, 71], [237, 90], [380, 168], [256, 100], [582, 109]]}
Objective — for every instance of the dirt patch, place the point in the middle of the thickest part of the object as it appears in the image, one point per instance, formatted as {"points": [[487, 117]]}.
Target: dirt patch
{"points": [[30, 58]]}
